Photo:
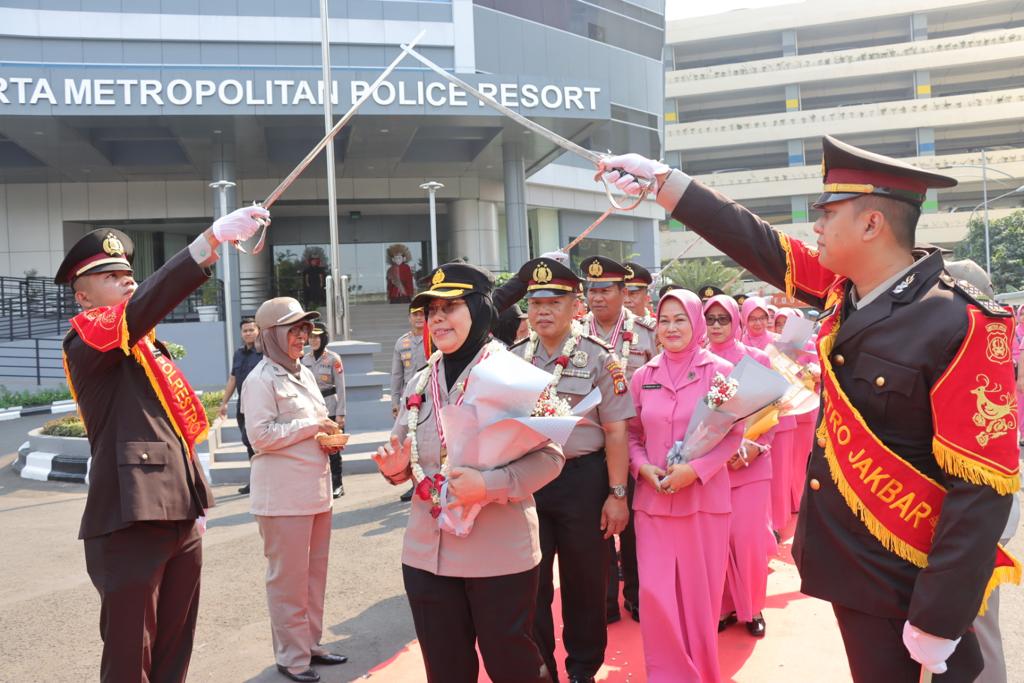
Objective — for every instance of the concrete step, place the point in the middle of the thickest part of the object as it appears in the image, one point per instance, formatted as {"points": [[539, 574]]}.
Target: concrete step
{"points": [[231, 464]]}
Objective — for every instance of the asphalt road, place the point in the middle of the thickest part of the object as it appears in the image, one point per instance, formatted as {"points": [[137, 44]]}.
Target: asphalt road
{"points": [[49, 609]]}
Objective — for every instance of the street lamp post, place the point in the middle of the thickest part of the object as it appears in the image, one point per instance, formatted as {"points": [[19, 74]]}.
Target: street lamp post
{"points": [[222, 187], [432, 187], [339, 321]]}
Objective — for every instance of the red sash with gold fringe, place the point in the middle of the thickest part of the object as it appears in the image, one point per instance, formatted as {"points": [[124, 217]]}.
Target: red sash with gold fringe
{"points": [[898, 504], [105, 328]]}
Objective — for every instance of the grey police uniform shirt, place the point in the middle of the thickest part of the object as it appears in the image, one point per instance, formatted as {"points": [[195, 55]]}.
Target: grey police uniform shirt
{"points": [[406, 360], [329, 372], [592, 365], [643, 347]]}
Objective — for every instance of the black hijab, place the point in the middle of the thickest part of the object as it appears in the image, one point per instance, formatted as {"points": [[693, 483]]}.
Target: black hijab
{"points": [[483, 315], [325, 339]]}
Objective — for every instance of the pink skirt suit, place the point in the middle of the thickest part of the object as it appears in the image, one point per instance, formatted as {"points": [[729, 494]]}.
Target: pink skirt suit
{"points": [[682, 538]]}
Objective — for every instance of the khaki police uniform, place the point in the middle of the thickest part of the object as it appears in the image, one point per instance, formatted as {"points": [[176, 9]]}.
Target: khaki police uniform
{"points": [[570, 508], [406, 360]]}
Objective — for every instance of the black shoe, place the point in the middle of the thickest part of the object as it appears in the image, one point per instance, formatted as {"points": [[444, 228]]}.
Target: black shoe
{"points": [[307, 676], [244, 490], [581, 679], [611, 616], [407, 496], [727, 622], [756, 627], [339, 491], [633, 609], [328, 659]]}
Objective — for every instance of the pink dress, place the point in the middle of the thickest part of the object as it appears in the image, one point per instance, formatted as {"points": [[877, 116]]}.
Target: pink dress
{"points": [[682, 538], [785, 432], [751, 542]]}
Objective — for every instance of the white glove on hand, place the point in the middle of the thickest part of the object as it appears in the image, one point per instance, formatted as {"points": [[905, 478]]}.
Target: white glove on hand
{"points": [[240, 224], [929, 651], [622, 172], [201, 524]]}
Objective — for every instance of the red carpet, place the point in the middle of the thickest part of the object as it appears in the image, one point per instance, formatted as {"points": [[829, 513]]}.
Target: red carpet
{"points": [[802, 643]]}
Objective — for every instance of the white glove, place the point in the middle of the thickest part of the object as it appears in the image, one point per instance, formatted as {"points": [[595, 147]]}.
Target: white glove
{"points": [[201, 524], [559, 256], [929, 651], [240, 224], [622, 171]]}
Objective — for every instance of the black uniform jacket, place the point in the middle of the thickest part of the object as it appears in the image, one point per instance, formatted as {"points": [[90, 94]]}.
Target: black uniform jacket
{"points": [[908, 335], [124, 419]]}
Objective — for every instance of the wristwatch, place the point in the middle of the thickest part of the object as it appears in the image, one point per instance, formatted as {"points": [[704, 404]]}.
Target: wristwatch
{"points": [[617, 491]]}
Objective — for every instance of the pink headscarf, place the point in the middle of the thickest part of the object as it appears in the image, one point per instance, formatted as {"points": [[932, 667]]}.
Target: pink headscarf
{"points": [[694, 350], [730, 349], [760, 341]]}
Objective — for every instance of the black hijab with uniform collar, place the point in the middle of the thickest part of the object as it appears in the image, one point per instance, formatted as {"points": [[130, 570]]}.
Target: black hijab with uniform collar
{"points": [[483, 315]]}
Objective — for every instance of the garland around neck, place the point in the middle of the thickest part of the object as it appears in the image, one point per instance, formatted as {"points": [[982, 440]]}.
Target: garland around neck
{"points": [[415, 401], [626, 322], [568, 349]]}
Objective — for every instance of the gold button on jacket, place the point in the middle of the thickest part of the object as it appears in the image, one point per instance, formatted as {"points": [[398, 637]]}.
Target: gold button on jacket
{"points": [[815, 484]]}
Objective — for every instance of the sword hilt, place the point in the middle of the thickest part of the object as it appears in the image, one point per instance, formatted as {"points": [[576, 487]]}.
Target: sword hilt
{"points": [[264, 224], [646, 185]]}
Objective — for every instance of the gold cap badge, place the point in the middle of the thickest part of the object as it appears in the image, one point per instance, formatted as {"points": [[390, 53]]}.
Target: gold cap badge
{"points": [[629, 273], [542, 274], [709, 292], [595, 269], [438, 277], [112, 245]]}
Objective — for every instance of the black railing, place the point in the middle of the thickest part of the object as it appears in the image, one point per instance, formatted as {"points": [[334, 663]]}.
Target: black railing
{"points": [[34, 307], [36, 359]]}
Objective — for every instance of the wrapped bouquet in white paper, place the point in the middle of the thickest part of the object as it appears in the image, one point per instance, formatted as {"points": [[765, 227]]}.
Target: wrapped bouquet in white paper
{"points": [[749, 388], [509, 409]]}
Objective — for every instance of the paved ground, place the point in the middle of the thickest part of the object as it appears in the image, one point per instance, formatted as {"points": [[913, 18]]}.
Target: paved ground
{"points": [[48, 608]]}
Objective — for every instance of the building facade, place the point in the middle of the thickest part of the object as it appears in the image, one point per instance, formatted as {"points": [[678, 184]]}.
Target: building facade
{"points": [[118, 114], [938, 83]]}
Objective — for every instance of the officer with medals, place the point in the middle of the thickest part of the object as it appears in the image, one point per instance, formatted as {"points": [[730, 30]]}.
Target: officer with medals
{"points": [[633, 340], [144, 511], [581, 509], [638, 295], [409, 356], [909, 484], [329, 372]]}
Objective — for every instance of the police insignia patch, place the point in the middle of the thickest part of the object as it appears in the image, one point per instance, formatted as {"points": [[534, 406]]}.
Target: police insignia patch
{"points": [[579, 359]]}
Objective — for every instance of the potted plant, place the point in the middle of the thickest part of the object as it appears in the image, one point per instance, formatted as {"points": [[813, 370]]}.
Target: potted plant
{"points": [[208, 310]]}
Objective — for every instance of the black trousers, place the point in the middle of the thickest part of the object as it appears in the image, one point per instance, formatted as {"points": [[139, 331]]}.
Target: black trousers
{"points": [[453, 614], [147, 576], [569, 509], [245, 437], [875, 650], [336, 468], [627, 555]]}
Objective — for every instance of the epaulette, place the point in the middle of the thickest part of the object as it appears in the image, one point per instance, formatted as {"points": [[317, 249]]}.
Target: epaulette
{"points": [[975, 296], [647, 322], [597, 340]]}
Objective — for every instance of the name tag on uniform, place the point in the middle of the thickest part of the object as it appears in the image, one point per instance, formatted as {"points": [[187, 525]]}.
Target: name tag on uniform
{"points": [[651, 386]]}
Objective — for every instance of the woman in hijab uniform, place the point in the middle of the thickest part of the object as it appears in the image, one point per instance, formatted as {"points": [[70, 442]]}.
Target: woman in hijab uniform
{"points": [[329, 372], [290, 485], [478, 589], [681, 511]]}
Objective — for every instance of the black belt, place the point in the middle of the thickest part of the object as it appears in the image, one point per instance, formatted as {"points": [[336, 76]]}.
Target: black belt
{"points": [[329, 392]]}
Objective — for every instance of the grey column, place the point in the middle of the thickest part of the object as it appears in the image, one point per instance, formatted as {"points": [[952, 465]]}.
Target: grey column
{"points": [[474, 232], [515, 205]]}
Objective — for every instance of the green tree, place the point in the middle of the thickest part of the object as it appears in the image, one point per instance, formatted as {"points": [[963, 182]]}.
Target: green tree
{"points": [[693, 273], [1006, 244]]}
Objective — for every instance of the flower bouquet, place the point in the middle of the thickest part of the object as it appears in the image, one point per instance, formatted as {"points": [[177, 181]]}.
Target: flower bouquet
{"points": [[749, 388], [508, 411], [792, 356]]}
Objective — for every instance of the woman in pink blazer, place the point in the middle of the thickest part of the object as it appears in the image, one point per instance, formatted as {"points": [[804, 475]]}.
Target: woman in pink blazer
{"points": [[751, 542], [756, 334], [681, 512]]}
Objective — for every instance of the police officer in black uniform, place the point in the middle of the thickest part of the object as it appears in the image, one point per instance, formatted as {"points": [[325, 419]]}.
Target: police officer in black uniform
{"points": [[897, 332]]}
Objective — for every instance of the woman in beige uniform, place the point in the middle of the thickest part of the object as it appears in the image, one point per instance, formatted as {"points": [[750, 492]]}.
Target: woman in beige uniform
{"points": [[290, 482], [478, 589]]}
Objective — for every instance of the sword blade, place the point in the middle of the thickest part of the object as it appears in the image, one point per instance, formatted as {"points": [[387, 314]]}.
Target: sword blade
{"points": [[564, 143], [297, 171]]}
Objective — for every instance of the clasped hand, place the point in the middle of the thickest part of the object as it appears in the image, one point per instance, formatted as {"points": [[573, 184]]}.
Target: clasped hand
{"points": [[675, 478]]}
